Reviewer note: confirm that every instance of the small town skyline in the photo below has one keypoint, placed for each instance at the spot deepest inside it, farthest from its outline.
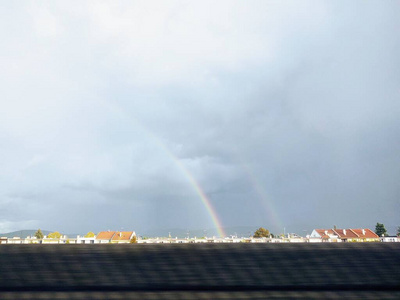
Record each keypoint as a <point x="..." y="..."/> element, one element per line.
<point x="237" y="231"/>
<point x="261" y="235"/>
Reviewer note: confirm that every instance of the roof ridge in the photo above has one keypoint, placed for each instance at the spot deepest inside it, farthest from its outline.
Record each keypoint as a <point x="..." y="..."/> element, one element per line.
<point x="354" y="232"/>
<point x="334" y="230"/>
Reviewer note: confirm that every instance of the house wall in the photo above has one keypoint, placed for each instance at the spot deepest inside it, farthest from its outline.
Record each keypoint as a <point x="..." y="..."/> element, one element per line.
<point x="315" y="234"/>
<point x="390" y="239"/>
<point x="14" y="241"/>
<point x="314" y="240"/>
<point x="102" y="241"/>
<point x="84" y="240"/>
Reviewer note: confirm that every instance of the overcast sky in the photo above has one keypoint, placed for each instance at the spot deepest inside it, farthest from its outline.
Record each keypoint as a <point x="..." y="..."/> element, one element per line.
<point x="286" y="113"/>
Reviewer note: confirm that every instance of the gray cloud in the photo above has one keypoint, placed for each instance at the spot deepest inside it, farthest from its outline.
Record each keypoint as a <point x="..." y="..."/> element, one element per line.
<point x="285" y="113"/>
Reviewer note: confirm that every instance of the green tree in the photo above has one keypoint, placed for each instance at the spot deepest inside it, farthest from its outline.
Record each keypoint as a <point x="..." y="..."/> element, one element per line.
<point x="54" y="235"/>
<point x="398" y="231"/>
<point x="90" y="234"/>
<point x="380" y="229"/>
<point x="261" y="232"/>
<point x="39" y="234"/>
<point x="134" y="240"/>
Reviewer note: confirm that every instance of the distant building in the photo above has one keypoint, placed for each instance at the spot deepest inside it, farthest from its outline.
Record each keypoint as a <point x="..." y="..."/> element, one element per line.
<point x="343" y="235"/>
<point x="62" y="240"/>
<point x="104" y="237"/>
<point x="122" y="237"/>
<point x="390" y="239"/>
<point x="365" y="235"/>
<point x="323" y="235"/>
<point x="85" y="240"/>
<point x="115" y="237"/>
<point x="15" y="240"/>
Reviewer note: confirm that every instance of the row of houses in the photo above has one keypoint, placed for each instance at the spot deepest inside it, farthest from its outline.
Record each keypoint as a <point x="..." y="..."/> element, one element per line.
<point x="195" y="240"/>
<point x="103" y="237"/>
<point x="344" y="235"/>
<point x="125" y="237"/>
<point x="317" y="236"/>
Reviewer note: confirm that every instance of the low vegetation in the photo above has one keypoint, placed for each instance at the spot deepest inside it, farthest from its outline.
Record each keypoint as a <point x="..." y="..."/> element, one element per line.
<point x="90" y="234"/>
<point x="39" y="234"/>
<point x="380" y="229"/>
<point x="54" y="235"/>
<point x="261" y="232"/>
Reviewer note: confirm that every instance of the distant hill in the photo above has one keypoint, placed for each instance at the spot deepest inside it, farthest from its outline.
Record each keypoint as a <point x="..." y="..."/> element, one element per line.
<point x="240" y="231"/>
<point x="31" y="232"/>
<point x="23" y="233"/>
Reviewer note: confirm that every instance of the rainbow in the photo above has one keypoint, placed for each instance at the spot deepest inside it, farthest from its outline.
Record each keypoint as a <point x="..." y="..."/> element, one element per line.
<point x="265" y="199"/>
<point x="207" y="203"/>
<point x="196" y="186"/>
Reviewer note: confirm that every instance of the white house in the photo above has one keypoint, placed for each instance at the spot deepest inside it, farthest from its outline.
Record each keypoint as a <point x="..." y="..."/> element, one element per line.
<point x="85" y="240"/>
<point x="323" y="235"/>
<point x="390" y="239"/>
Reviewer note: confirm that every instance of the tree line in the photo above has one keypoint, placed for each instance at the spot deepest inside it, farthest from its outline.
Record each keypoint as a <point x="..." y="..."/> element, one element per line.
<point x="56" y="235"/>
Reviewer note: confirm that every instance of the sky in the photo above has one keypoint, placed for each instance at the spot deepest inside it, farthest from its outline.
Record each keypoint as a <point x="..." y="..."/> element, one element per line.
<point x="146" y="115"/>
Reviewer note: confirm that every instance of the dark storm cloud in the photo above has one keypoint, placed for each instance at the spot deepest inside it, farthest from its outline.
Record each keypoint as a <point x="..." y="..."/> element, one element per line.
<point x="286" y="114"/>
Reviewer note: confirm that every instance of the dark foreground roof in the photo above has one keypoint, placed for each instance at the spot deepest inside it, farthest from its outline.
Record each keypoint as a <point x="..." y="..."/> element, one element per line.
<point x="207" y="271"/>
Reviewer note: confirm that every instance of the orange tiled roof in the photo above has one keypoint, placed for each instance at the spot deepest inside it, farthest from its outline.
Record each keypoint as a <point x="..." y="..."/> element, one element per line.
<point x="122" y="236"/>
<point x="345" y="233"/>
<point x="324" y="235"/>
<point x="367" y="234"/>
<point x="105" y="235"/>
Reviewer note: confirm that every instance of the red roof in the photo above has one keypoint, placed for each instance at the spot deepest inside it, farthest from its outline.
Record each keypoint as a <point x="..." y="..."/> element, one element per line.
<point x="105" y="235"/>
<point x="345" y="233"/>
<point x="122" y="236"/>
<point x="366" y="233"/>
<point x="325" y="233"/>
<point x="348" y="233"/>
